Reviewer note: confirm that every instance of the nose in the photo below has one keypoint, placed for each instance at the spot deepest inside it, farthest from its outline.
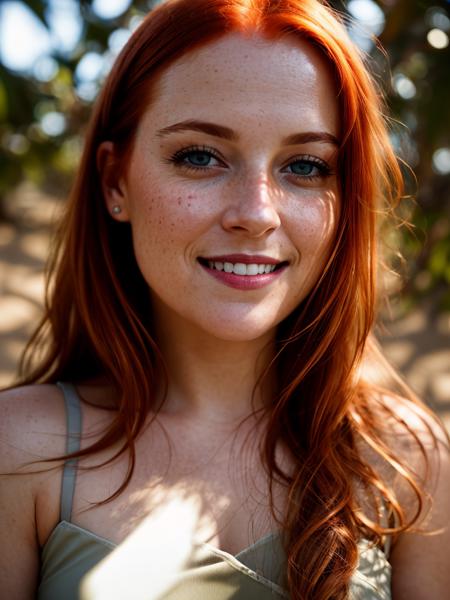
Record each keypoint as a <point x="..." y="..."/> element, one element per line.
<point x="252" y="210"/>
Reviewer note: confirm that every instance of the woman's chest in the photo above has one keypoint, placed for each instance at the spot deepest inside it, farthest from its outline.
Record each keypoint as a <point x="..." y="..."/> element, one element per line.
<point x="220" y="498"/>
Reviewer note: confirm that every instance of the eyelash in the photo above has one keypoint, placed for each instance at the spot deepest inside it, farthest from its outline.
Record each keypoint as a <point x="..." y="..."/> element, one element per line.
<point x="324" y="169"/>
<point x="179" y="158"/>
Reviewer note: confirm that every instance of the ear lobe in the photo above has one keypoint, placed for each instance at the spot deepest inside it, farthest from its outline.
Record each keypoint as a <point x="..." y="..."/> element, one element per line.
<point x="114" y="193"/>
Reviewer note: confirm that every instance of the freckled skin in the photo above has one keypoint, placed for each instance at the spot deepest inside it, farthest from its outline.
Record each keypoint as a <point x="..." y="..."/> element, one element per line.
<point x="264" y="91"/>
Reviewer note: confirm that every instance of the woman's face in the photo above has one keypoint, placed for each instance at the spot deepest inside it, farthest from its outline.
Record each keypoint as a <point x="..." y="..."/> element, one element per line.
<point x="231" y="190"/>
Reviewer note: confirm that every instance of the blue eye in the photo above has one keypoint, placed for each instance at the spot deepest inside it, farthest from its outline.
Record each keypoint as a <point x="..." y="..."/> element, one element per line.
<point x="197" y="158"/>
<point x="303" y="167"/>
<point x="308" y="168"/>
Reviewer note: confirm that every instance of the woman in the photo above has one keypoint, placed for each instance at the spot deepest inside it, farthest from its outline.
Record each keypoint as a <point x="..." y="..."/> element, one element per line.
<point x="209" y="314"/>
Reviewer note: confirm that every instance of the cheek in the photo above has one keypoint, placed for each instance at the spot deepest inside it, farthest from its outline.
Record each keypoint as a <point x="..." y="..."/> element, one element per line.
<point x="315" y="226"/>
<point x="163" y="222"/>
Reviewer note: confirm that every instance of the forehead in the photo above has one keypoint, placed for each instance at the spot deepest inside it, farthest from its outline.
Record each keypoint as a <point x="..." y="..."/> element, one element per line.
<point x="275" y="82"/>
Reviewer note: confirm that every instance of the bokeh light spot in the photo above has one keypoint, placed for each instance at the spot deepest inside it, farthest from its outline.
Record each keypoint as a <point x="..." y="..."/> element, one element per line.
<point x="110" y="9"/>
<point x="135" y="21"/>
<point x="22" y="36"/>
<point x="441" y="161"/>
<point x="45" y="68"/>
<point x="437" y="17"/>
<point x="90" y="67"/>
<point x="87" y="91"/>
<point x="16" y="143"/>
<point x="437" y="39"/>
<point x="368" y="13"/>
<point x="404" y="87"/>
<point x="118" y="39"/>
<point x="66" y="25"/>
<point x="53" y="123"/>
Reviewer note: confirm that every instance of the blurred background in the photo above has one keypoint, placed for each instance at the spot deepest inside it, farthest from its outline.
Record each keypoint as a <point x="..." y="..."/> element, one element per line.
<point x="54" y="55"/>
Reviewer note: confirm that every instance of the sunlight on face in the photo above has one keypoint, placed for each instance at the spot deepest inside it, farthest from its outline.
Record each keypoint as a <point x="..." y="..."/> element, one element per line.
<point x="231" y="190"/>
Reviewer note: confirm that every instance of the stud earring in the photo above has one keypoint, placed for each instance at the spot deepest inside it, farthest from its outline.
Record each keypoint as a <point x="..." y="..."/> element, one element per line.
<point x="116" y="210"/>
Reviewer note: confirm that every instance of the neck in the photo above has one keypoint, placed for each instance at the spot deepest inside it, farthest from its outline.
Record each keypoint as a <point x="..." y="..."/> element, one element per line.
<point x="212" y="379"/>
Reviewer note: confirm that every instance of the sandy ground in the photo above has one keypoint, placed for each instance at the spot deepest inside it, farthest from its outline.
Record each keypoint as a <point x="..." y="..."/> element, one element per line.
<point x="418" y="344"/>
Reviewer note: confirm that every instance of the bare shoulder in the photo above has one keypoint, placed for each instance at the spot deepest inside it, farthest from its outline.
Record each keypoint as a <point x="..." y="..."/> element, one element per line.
<point x="32" y="428"/>
<point x="32" y="425"/>
<point x="420" y="442"/>
<point x="416" y="436"/>
<point x="417" y="416"/>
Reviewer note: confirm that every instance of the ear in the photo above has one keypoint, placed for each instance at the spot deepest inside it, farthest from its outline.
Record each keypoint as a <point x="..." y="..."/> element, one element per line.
<point x="112" y="182"/>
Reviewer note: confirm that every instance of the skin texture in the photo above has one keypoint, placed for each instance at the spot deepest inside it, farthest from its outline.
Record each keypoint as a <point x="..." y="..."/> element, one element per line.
<point x="246" y="200"/>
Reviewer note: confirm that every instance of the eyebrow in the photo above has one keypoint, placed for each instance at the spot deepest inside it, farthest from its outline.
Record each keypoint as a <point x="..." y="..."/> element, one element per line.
<point x="311" y="136"/>
<point x="210" y="128"/>
<point x="226" y="133"/>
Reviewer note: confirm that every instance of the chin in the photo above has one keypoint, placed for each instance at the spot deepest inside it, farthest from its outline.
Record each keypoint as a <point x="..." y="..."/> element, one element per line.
<point x="233" y="329"/>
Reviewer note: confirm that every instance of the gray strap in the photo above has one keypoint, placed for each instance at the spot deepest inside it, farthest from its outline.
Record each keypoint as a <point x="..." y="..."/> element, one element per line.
<point x="386" y="521"/>
<point x="73" y="414"/>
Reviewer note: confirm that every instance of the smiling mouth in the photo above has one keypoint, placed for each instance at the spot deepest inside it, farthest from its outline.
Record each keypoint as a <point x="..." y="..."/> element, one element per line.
<point x="239" y="267"/>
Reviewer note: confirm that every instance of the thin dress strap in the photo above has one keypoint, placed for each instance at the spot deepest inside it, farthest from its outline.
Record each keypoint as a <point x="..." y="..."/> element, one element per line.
<point x="387" y="520"/>
<point x="73" y="415"/>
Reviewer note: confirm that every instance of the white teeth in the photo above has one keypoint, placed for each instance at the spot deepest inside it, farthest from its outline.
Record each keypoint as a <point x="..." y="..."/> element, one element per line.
<point x="252" y="269"/>
<point x="241" y="268"/>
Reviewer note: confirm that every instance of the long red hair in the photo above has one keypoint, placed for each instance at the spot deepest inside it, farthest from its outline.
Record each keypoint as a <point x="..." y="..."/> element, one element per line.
<point x="96" y="321"/>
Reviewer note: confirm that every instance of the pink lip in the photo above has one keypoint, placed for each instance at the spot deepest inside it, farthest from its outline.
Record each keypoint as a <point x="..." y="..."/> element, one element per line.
<point x="246" y="259"/>
<point x="244" y="282"/>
